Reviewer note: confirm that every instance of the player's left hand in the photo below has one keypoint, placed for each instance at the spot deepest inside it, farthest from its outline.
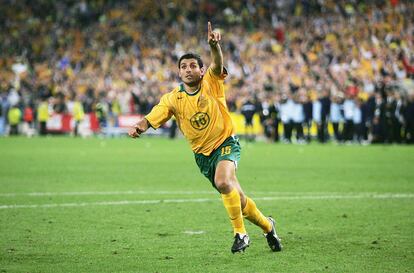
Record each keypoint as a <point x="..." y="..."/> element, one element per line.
<point x="134" y="132"/>
<point x="213" y="36"/>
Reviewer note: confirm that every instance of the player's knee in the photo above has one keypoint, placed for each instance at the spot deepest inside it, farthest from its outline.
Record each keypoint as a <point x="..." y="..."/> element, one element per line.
<point x="223" y="184"/>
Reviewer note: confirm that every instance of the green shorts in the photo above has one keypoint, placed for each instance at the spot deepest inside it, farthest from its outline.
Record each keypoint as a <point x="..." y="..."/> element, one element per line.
<point x="228" y="150"/>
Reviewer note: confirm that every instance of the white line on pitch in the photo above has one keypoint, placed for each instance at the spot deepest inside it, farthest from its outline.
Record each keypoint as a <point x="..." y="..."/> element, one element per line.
<point x="163" y="192"/>
<point x="203" y="200"/>
<point x="81" y="193"/>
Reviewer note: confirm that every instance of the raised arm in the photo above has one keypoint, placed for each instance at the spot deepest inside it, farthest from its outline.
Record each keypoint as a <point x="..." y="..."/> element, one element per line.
<point x="216" y="55"/>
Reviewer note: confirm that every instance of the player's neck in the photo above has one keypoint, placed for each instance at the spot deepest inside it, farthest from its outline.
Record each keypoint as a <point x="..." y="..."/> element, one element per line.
<point x="192" y="89"/>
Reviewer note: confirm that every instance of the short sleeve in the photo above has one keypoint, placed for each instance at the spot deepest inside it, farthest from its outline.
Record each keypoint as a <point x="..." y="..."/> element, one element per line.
<point x="216" y="82"/>
<point x="160" y="113"/>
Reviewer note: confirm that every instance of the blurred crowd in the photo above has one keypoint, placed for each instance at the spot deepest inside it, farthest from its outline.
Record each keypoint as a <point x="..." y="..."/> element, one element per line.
<point x="295" y="63"/>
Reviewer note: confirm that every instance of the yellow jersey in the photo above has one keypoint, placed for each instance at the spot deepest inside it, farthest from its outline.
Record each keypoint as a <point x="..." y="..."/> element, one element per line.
<point x="78" y="113"/>
<point x="202" y="117"/>
<point x="14" y="116"/>
<point x="43" y="112"/>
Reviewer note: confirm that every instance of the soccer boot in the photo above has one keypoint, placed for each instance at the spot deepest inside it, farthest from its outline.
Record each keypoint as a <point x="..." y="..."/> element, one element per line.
<point x="241" y="242"/>
<point x="273" y="240"/>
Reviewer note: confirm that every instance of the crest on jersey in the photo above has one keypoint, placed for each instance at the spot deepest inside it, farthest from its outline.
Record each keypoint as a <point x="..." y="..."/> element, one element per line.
<point x="200" y="120"/>
<point x="202" y="101"/>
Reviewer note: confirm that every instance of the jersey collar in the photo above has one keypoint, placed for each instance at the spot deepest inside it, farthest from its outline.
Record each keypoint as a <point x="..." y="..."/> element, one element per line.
<point x="182" y="89"/>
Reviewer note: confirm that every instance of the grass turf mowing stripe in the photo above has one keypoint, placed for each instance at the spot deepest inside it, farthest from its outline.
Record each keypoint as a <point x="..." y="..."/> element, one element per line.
<point x="202" y="200"/>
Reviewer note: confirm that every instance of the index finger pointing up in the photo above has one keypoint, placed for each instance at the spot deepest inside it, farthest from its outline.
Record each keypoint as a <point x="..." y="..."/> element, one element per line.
<point x="209" y="28"/>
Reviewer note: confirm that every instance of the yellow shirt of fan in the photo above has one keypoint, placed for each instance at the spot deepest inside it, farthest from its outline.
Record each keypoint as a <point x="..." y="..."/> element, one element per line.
<point x="202" y="117"/>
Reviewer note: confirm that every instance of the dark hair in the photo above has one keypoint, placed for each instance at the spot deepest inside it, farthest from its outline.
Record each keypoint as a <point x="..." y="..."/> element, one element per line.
<point x="191" y="56"/>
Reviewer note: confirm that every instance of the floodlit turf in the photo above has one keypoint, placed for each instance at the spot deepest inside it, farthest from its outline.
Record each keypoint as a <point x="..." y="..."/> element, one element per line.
<point x="123" y="205"/>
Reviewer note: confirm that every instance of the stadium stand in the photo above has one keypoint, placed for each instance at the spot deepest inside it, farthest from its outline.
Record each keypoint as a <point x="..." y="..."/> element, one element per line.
<point x="340" y="70"/>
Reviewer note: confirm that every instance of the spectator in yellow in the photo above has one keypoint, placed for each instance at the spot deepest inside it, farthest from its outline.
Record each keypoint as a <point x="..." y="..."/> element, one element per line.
<point x="14" y="116"/>
<point x="43" y="116"/>
<point x="115" y="111"/>
<point x="78" y="115"/>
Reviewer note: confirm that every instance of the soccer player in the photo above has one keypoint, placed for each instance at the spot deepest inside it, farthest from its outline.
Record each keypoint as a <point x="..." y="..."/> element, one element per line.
<point x="199" y="106"/>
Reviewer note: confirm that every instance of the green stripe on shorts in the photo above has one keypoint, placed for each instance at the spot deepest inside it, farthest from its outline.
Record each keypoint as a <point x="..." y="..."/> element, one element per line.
<point x="228" y="150"/>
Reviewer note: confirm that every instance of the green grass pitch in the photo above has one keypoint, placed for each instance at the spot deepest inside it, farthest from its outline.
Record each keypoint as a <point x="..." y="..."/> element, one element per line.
<point x="124" y="205"/>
